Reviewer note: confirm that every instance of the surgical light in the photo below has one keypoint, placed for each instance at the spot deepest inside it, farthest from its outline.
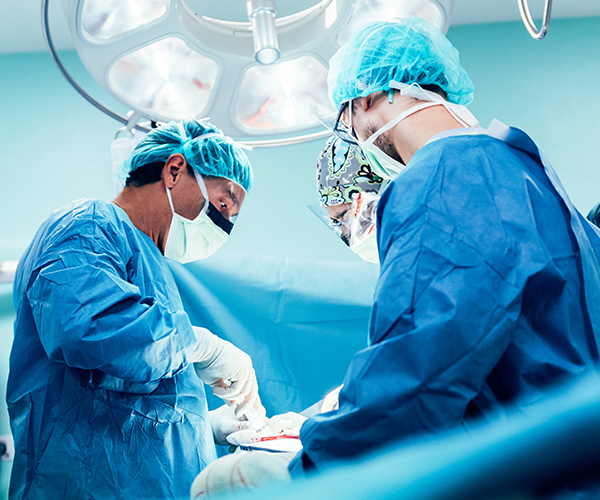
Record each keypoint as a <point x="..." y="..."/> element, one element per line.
<point x="258" y="69"/>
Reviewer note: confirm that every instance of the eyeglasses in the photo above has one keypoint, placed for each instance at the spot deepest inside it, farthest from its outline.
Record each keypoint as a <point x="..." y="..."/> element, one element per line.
<point x="339" y="222"/>
<point x="342" y="127"/>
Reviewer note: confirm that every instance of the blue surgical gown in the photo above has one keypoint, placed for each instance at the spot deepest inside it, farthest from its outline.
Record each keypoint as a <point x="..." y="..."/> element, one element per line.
<point x="103" y="401"/>
<point x="480" y="303"/>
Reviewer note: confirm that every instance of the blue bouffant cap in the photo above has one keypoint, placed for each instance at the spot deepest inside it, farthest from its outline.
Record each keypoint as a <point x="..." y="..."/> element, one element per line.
<point x="407" y="50"/>
<point x="204" y="146"/>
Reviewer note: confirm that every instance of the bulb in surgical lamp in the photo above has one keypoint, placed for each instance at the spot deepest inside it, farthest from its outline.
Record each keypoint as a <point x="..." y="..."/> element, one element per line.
<point x="167" y="80"/>
<point x="105" y="19"/>
<point x="283" y="96"/>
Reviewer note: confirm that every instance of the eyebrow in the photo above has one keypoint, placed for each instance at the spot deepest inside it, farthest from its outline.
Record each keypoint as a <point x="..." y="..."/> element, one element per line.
<point x="232" y="196"/>
<point x="235" y="201"/>
<point x="340" y="216"/>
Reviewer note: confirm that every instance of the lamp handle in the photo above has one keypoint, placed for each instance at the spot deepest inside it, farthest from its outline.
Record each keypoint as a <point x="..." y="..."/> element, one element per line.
<point x="528" y="21"/>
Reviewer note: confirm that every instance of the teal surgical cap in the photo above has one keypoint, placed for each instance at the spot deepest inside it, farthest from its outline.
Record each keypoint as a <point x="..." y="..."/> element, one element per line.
<point x="405" y="50"/>
<point x="204" y="146"/>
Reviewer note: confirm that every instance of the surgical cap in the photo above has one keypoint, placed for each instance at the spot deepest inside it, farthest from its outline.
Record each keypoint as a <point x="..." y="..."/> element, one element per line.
<point x="342" y="171"/>
<point x="405" y="50"/>
<point x="215" y="154"/>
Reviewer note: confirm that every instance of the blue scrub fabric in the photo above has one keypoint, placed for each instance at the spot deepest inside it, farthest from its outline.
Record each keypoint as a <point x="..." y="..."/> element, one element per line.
<point x="481" y="300"/>
<point x="102" y="399"/>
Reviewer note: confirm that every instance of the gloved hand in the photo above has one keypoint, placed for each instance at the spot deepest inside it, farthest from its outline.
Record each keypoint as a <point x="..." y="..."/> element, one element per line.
<point x="286" y="422"/>
<point x="225" y="368"/>
<point x="224" y="422"/>
<point x="240" y="473"/>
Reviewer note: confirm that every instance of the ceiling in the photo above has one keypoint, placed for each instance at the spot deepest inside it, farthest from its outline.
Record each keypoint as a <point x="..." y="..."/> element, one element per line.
<point x="21" y="27"/>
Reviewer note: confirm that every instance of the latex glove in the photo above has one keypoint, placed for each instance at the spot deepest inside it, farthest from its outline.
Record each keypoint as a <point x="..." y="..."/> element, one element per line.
<point x="331" y="401"/>
<point x="240" y="473"/>
<point x="223" y="422"/>
<point x="286" y="422"/>
<point x="226" y="369"/>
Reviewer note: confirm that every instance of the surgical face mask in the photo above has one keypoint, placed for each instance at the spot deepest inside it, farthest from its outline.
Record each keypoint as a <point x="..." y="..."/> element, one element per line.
<point x="367" y="248"/>
<point x="384" y="165"/>
<point x="190" y="240"/>
<point x="362" y="226"/>
<point x="355" y="225"/>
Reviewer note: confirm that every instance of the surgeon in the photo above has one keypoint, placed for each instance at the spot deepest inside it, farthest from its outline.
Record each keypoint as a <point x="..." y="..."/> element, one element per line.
<point x="105" y="391"/>
<point x="489" y="287"/>
<point x="348" y="195"/>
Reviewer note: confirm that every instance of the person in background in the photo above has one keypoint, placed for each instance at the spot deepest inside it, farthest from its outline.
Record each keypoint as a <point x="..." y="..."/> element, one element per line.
<point x="348" y="191"/>
<point x="105" y="390"/>
<point x="594" y="215"/>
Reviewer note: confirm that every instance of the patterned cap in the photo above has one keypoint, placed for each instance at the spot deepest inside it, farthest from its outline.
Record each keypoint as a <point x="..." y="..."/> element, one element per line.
<point x="342" y="170"/>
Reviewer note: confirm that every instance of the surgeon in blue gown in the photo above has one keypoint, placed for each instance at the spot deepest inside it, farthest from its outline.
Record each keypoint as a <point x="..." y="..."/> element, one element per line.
<point x="105" y="390"/>
<point x="489" y="288"/>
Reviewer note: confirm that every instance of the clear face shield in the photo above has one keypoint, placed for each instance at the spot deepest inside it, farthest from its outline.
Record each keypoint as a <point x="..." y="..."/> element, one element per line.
<point x="354" y="223"/>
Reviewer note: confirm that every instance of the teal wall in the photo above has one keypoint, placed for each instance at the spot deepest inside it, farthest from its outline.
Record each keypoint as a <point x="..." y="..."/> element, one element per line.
<point x="55" y="146"/>
<point x="56" y="149"/>
<point x="547" y="88"/>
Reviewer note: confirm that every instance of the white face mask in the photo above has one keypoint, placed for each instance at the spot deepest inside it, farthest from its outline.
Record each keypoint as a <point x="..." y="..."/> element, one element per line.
<point x="384" y="165"/>
<point x="362" y="230"/>
<point x="190" y="240"/>
<point x="367" y="248"/>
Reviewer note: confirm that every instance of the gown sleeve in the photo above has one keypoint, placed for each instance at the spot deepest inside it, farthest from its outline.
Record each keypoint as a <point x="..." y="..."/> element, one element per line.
<point x="90" y="316"/>
<point x="444" y="311"/>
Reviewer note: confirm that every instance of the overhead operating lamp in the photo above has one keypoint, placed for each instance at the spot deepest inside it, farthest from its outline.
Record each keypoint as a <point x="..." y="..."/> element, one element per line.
<point x="258" y="69"/>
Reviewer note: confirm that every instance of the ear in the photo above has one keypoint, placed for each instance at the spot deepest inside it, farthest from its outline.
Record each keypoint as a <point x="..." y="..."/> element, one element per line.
<point x="373" y="101"/>
<point x="364" y="103"/>
<point x="174" y="167"/>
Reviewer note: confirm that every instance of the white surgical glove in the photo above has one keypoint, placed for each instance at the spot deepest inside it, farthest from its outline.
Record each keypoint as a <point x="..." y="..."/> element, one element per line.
<point x="286" y="422"/>
<point x="239" y="473"/>
<point x="223" y="422"/>
<point x="226" y="369"/>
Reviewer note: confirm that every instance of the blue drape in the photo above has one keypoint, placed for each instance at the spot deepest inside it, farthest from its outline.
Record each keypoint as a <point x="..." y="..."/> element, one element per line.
<point x="300" y="320"/>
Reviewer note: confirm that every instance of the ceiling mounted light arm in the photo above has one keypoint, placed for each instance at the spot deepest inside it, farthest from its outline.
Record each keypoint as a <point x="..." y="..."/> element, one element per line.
<point x="528" y="21"/>
<point x="69" y="78"/>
